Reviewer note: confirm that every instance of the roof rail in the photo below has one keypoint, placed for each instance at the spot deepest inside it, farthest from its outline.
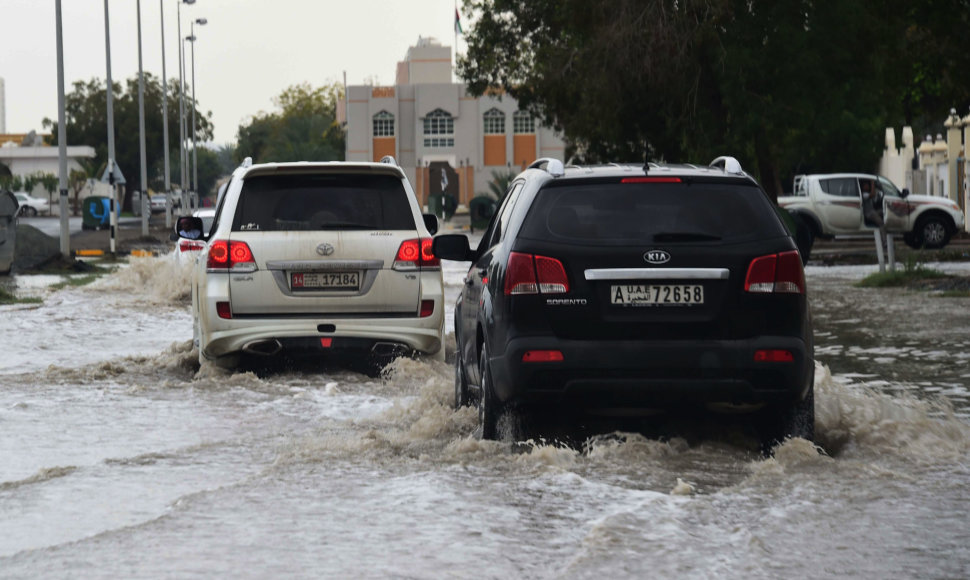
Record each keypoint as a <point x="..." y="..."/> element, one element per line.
<point x="728" y="165"/>
<point x="388" y="159"/>
<point x="552" y="166"/>
<point x="247" y="162"/>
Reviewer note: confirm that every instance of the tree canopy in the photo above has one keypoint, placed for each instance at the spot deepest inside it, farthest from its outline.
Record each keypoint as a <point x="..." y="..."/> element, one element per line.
<point x="86" y="112"/>
<point x="786" y="87"/>
<point x="303" y="129"/>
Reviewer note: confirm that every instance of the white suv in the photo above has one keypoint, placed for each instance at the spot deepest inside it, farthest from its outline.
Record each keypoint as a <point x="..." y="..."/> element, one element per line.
<point x="328" y="260"/>
<point x="831" y="205"/>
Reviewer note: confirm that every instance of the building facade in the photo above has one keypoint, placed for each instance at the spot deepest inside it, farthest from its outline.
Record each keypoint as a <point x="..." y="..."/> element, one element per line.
<point x="446" y="140"/>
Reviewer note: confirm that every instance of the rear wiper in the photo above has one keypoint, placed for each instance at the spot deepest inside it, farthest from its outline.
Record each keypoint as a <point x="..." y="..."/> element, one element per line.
<point x="684" y="237"/>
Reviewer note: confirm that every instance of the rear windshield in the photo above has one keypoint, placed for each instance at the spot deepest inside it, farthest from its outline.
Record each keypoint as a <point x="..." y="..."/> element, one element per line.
<point x="278" y="203"/>
<point x="651" y="212"/>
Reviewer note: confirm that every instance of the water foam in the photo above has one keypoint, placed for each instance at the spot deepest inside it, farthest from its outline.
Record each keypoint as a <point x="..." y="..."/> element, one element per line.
<point x="150" y="280"/>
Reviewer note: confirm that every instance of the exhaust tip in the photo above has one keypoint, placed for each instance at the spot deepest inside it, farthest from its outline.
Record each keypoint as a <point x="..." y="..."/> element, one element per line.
<point x="266" y="347"/>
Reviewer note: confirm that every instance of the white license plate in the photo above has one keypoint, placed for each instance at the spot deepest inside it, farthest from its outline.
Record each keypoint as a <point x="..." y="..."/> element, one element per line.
<point x="657" y="294"/>
<point x="325" y="280"/>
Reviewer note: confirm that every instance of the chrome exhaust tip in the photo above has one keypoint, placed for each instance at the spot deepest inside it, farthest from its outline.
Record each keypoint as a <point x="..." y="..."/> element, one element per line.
<point x="265" y="347"/>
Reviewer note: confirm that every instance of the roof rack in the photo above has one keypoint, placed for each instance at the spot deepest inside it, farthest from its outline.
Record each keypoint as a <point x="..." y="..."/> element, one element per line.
<point x="247" y="162"/>
<point x="728" y="165"/>
<point x="389" y="160"/>
<point x="552" y="166"/>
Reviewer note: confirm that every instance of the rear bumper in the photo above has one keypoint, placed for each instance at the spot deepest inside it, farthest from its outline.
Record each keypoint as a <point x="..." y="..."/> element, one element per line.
<point x="652" y="374"/>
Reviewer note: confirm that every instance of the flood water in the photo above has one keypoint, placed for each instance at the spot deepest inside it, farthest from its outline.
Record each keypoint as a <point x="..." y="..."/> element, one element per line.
<point x="121" y="458"/>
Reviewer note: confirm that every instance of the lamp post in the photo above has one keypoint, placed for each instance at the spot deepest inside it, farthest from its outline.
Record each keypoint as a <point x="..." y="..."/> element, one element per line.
<point x="111" y="132"/>
<point x="62" y="138"/>
<point x="143" y="201"/>
<point x="195" y="154"/>
<point x="168" y="181"/>
<point x="182" y="149"/>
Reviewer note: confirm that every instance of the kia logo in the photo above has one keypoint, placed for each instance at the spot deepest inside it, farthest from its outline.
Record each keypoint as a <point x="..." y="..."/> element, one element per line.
<point x="656" y="256"/>
<point x="325" y="249"/>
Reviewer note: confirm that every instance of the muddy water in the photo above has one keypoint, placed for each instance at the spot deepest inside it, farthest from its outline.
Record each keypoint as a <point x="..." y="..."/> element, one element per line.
<point x="120" y="457"/>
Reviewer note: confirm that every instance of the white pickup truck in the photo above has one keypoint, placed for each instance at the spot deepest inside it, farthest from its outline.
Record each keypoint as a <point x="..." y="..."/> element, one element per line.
<point x="830" y="205"/>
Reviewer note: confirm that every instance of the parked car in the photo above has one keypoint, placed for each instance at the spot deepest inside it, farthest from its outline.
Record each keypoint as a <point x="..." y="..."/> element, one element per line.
<point x="156" y="203"/>
<point x="831" y="205"/>
<point x="627" y="290"/>
<point x="31" y="206"/>
<point x="328" y="260"/>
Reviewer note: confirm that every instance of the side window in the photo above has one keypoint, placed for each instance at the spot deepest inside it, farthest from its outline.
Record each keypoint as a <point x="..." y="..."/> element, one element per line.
<point x="502" y="221"/>
<point x="842" y="187"/>
<point x="887" y="187"/>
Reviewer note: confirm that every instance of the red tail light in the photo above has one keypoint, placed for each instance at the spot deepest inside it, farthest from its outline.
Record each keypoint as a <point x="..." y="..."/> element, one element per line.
<point x="528" y="274"/>
<point x="190" y="245"/>
<point x="223" y="310"/>
<point x="427" y="308"/>
<point x="224" y="255"/>
<point x="416" y="254"/>
<point x="776" y="274"/>
<point x="773" y="355"/>
<point x="542" y="356"/>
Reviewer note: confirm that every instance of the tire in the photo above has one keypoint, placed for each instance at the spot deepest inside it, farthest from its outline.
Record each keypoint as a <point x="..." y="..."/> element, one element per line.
<point x="462" y="398"/>
<point x="30" y="211"/>
<point x="933" y="232"/>
<point x="488" y="406"/>
<point x="795" y="420"/>
<point x="912" y="240"/>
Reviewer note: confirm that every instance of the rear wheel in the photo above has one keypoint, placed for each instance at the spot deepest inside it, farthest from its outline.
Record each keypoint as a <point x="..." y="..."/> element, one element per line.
<point x="488" y="406"/>
<point x="795" y="420"/>
<point x="462" y="398"/>
<point x="30" y="211"/>
<point x="933" y="232"/>
<point x="912" y="240"/>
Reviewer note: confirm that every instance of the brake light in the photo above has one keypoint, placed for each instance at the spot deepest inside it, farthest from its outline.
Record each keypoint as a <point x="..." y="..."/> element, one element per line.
<point x="416" y="254"/>
<point x="225" y="255"/>
<point x="773" y="355"/>
<point x="776" y="274"/>
<point x="650" y="180"/>
<point x="528" y="274"/>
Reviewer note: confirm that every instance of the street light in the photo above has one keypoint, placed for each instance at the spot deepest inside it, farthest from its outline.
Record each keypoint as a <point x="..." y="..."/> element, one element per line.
<point x="110" y="172"/>
<point x="168" y="181"/>
<point x="195" y="153"/>
<point x="182" y="149"/>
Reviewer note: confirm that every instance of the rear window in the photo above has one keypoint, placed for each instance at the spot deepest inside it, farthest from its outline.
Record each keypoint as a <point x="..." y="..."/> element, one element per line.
<point x="302" y="202"/>
<point x="649" y="213"/>
<point x="842" y="186"/>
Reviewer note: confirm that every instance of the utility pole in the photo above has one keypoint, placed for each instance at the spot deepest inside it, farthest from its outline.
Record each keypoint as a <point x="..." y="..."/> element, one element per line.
<point x="168" y="180"/>
<point x="111" y="133"/>
<point x="145" y="206"/>
<point x="62" y="141"/>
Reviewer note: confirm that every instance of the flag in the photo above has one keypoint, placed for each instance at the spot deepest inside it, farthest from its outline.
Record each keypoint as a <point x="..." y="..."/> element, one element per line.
<point x="458" y="29"/>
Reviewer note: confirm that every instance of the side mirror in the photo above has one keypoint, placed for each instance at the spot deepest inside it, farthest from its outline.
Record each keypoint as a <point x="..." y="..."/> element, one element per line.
<point x="451" y="247"/>
<point x="904" y="193"/>
<point x="189" y="227"/>
<point x="431" y="222"/>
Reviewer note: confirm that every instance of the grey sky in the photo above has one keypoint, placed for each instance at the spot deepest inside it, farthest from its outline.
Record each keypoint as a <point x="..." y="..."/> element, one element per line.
<point x="247" y="54"/>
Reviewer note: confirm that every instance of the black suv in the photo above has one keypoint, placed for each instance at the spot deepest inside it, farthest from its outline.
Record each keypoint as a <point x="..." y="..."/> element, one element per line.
<point x="621" y="289"/>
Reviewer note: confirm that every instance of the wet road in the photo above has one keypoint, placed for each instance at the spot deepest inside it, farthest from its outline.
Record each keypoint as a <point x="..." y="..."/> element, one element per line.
<point x="121" y="458"/>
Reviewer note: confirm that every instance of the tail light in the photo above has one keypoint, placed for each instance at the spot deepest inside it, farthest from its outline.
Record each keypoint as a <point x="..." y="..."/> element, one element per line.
<point x="533" y="356"/>
<point x="190" y="245"/>
<point x="773" y="355"/>
<point x="223" y="310"/>
<point x="235" y="256"/>
<point x="427" y="308"/>
<point x="416" y="254"/>
<point x="776" y="274"/>
<point x="528" y="274"/>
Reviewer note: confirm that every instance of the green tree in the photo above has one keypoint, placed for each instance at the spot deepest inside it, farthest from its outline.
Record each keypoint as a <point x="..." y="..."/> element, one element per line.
<point x="784" y="86"/>
<point x="86" y="109"/>
<point x="210" y="170"/>
<point x="303" y="129"/>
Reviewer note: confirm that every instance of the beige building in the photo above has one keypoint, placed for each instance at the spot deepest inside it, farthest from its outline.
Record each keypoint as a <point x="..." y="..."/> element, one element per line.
<point x="443" y="138"/>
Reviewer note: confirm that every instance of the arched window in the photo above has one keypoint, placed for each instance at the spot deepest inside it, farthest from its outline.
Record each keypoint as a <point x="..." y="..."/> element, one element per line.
<point x="383" y="124"/>
<point x="494" y="122"/>
<point x="523" y="122"/>
<point x="439" y="129"/>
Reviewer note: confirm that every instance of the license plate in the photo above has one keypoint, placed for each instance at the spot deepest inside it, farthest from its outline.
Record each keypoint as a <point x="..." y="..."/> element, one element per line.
<point x="325" y="280"/>
<point x="657" y="294"/>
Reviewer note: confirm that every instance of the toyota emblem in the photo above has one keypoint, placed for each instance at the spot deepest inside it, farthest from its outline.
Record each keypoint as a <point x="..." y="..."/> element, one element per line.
<point x="325" y="249"/>
<point x="656" y="256"/>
